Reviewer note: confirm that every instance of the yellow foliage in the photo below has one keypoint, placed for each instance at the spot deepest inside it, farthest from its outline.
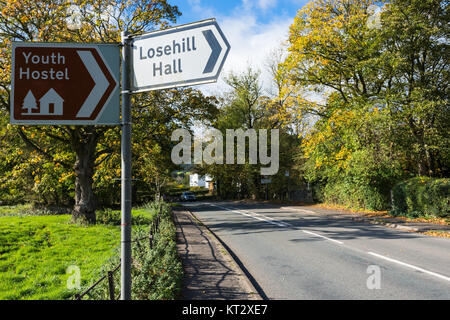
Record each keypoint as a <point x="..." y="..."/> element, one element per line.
<point x="322" y="33"/>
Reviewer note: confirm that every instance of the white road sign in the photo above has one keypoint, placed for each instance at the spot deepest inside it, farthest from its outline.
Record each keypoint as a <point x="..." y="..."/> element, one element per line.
<point x="180" y="56"/>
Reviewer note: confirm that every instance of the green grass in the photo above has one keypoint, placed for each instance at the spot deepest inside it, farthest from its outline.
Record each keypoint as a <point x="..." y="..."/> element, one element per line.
<point x="35" y="252"/>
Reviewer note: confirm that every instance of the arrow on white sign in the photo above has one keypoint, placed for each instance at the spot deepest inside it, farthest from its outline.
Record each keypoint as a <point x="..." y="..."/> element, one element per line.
<point x="215" y="48"/>
<point x="185" y="55"/>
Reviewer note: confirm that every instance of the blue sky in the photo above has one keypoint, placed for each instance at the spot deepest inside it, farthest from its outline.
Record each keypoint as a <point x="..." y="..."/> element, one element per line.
<point x="254" y="29"/>
<point x="265" y="10"/>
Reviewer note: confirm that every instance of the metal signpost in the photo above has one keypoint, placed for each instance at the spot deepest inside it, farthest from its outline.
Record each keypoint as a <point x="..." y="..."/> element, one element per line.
<point x="180" y="56"/>
<point x="125" y="289"/>
<point x="76" y="84"/>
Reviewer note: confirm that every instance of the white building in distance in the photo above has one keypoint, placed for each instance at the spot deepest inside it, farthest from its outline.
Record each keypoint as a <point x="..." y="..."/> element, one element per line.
<point x="196" y="180"/>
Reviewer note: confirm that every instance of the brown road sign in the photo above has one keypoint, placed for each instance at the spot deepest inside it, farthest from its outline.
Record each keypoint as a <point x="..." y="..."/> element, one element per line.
<point x="65" y="84"/>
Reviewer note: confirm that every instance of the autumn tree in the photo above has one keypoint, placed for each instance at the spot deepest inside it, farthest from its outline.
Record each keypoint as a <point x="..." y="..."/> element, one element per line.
<point x="51" y="21"/>
<point x="160" y="113"/>
<point x="246" y="106"/>
<point x="415" y="37"/>
<point x="374" y="90"/>
<point x="154" y="115"/>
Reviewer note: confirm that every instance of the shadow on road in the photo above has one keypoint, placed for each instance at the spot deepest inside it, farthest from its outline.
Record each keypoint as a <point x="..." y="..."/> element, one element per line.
<point x="327" y="222"/>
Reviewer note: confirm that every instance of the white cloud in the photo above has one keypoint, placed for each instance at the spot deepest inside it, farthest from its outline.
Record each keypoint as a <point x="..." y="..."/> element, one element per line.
<point x="252" y="40"/>
<point x="258" y="4"/>
<point x="266" y="4"/>
<point x="200" y="9"/>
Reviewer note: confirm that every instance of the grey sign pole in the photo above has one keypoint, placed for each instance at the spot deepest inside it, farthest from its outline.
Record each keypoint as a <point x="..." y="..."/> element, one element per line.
<point x="209" y="40"/>
<point x="125" y="293"/>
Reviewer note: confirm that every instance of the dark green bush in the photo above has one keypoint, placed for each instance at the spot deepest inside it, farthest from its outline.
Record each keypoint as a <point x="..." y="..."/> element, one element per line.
<point x="108" y="216"/>
<point x="358" y="196"/>
<point x="364" y="182"/>
<point x="422" y="196"/>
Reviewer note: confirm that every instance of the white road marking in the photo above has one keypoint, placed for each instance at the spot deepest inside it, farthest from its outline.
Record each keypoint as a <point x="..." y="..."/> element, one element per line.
<point x="272" y="221"/>
<point x="410" y="266"/>
<point x="318" y="235"/>
<point x="261" y="217"/>
<point x="254" y="216"/>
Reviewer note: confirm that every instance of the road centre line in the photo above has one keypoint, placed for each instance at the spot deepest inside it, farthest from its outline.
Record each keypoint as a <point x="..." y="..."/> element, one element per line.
<point x="272" y="221"/>
<point x="254" y="216"/>
<point x="410" y="266"/>
<point x="305" y="231"/>
<point x="318" y="235"/>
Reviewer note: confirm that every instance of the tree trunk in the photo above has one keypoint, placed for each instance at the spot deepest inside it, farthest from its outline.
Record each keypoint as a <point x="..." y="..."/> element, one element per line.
<point x="85" y="202"/>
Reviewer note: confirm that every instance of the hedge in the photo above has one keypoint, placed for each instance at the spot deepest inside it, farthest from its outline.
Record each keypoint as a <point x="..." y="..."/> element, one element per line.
<point x="422" y="196"/>
<point x="356" y="196"/>
<point x="156" y="271"/>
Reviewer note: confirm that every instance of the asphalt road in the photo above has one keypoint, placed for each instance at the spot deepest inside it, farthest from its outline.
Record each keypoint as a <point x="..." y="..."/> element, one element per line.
<point x="301" y="254"/>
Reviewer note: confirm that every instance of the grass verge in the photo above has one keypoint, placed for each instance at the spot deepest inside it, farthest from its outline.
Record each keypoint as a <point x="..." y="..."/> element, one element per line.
<point x="35" y="252"/>
<point x="437" y="233"/>
<point x="386" y="214"/>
